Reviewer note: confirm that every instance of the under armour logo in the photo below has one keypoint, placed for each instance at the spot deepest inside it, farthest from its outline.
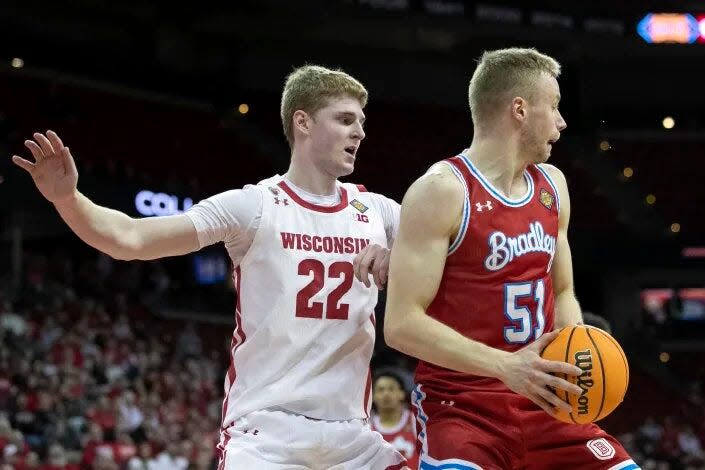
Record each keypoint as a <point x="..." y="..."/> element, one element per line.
<point x="284" y="201"/>
<point x="487" y="206"/>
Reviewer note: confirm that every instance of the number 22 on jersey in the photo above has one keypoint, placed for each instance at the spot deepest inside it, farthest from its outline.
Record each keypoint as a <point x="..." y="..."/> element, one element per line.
<point x="333" y="310"/>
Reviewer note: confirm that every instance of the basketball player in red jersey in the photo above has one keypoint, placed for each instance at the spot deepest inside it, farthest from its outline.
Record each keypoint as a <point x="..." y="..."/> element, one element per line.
<point x="392" y="418"/>
<point x="481" y="278"/>
<point x="297" y="392"/>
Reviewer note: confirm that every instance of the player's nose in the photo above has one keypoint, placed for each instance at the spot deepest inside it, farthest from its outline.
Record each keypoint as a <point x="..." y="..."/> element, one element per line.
<point x="561" y="124"/>
<point x="358" y="132"/>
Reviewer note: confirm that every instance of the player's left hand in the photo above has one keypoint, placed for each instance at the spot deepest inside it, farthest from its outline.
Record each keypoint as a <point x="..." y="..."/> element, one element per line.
<point x="374" y="260"/>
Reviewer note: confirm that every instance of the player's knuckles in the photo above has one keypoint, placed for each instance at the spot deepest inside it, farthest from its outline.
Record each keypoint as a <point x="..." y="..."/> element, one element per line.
<point x="535" y="375"/>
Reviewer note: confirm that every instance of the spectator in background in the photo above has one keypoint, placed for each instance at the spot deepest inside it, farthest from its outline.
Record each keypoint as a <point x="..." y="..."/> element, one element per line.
<point x="130" y="415"/>
<point x="188" y="343"/>
<point x="391" y="416"/>
<point x="143" y="459"/>
<point x="689" y="446"/>
<point x="170" y="458"/>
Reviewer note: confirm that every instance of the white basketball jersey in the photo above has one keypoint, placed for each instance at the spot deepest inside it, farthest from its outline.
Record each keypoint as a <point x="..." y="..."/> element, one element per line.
<point x="304" y="326"/>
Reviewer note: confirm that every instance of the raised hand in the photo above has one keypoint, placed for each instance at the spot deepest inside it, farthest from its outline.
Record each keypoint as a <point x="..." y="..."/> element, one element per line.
<point x="54" y="170"/>
<point x="530" y="375"/>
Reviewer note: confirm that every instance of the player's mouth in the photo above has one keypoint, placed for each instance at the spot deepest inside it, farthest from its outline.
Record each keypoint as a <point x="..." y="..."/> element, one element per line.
<point x="351" y="150"/>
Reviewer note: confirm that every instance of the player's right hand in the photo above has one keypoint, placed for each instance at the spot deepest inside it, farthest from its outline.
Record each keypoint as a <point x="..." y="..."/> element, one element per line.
<point x="530" y="375"/>
<point x="372" y="260"/>
<point x="53" y="171"/>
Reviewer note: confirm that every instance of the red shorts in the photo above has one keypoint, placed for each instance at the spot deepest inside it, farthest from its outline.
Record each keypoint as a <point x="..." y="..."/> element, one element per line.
<point x="503" y="430"/>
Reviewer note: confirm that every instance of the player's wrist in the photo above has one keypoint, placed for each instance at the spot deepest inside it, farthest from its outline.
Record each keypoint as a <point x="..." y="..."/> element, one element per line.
<point x="67" y="202"/>
<point x="499" y="364"/>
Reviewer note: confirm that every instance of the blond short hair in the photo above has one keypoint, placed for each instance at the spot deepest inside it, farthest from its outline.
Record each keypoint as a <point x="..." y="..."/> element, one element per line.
<point x="308" y="88"/>
<point x="504" y="73"/>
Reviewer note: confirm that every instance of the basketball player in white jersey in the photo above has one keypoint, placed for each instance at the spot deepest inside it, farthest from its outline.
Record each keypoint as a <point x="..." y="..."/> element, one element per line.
<point x="297" y="393"/>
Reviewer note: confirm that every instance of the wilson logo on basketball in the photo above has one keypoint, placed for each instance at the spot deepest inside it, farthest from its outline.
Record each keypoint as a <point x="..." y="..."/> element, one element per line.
<point x="603" y="377"/>
<point x="583" y="359"/>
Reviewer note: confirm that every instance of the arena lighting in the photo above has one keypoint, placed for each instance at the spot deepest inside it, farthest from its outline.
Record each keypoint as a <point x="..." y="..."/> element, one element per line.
<point x="149" y="203"/>
<point x="675" y="227"/>
<point x="17" y="63"/>
<point x="679" y="28"/>
<point x="628" y="172"/>
<point x="244" y="108"/>
<point x="693" y="252"/>
<point x="650" y="199"/>
<point x="701" y="28"/>
<point x="668" y="122"/>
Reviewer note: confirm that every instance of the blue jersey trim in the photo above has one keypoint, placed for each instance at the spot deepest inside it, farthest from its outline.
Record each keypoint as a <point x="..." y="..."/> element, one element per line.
<point x="494" y="192"/>
<point x="466" y="212"/>
<point x="553" y="186"/>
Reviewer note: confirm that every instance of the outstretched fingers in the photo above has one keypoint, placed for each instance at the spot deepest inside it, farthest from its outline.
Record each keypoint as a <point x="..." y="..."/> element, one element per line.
<point x="36" y="150"/>
<point x="22" y="163"/>
<point x="56" y="142"/>
<point x="44" y="144"/>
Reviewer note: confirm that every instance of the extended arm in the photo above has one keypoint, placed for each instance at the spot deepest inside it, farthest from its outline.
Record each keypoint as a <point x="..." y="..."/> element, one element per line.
<point x="110" y="231"/>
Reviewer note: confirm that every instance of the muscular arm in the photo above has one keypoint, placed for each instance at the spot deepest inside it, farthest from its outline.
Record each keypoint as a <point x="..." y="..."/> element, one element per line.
<point x="430" y="217"/>
<point x="568" y="310"/>
<point x="126" y="238"/>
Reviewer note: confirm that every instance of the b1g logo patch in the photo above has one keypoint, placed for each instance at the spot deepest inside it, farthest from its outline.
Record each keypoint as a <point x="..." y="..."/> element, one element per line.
<point x="601" y="449"/>
<point x="546" y="199"/>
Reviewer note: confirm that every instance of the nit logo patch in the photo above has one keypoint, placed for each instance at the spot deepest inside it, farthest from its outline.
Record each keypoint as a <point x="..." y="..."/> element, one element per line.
<point x="546" y="199"/>
<point x="359" y="206"/>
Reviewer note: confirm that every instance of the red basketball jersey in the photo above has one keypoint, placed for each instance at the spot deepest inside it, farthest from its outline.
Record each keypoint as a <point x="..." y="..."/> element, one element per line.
<point x="496" y="286"/>
<point x="402" y="436"/>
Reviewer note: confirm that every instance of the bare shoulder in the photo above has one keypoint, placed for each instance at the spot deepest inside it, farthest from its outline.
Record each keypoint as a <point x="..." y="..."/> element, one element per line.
<point x="555" y="173"/>
<point x="439" y="182"/>
<point x="435" y="199"/>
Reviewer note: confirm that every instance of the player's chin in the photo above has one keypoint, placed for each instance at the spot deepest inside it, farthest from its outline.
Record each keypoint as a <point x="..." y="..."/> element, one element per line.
<point x="545" y="156"/>
<point x="345" y="169"/>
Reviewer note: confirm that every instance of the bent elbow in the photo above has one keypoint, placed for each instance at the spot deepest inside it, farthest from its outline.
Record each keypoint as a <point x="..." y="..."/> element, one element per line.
<point x="123" y="254"/>
<point x="393" y="334"/>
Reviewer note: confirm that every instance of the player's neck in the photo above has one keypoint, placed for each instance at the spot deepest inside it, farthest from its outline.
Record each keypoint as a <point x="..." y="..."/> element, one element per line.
<point x="391" y="417"/>
<point x="311" y="179"/>
<point x="500" y="161"/>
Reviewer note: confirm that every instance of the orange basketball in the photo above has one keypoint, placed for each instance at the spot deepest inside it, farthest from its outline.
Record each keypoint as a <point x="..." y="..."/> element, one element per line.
<point x="605" y="374"/>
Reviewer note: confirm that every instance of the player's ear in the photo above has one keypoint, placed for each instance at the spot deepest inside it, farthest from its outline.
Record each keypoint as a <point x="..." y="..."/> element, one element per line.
<point x="301" y="121"/>
<point x="519" y="108"/>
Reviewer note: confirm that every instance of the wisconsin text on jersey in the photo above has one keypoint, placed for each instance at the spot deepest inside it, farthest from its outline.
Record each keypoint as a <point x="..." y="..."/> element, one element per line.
<point x="325" y="244"/>
<point x="504" y="249"/>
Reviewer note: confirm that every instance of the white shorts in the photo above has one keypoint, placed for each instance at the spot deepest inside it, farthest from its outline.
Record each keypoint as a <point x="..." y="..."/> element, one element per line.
<point x="276" y="440"/>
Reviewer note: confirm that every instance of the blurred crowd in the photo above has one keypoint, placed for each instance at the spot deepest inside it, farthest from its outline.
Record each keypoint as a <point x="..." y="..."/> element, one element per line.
<point x="89" y="378"/>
